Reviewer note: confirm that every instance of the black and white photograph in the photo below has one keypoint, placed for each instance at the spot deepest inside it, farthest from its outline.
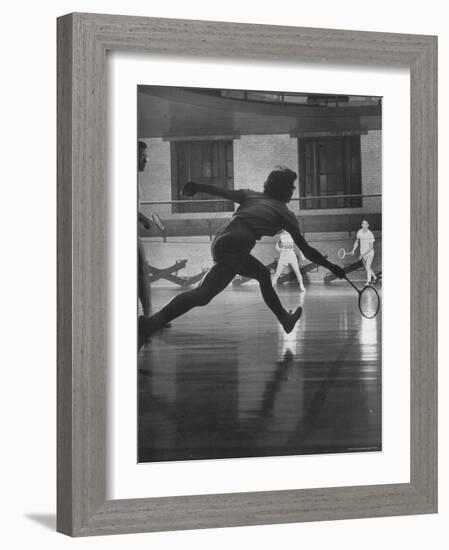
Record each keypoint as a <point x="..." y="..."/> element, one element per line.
<point x="259" y="246"/>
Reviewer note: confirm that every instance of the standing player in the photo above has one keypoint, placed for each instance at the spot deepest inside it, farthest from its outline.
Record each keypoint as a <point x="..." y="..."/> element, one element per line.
<point x="259" y="214"/>
<point x="143" y="222"/>
<point x="287" y="257"/>
<point x="365" y="239"/>
<point x="144" y="283"/>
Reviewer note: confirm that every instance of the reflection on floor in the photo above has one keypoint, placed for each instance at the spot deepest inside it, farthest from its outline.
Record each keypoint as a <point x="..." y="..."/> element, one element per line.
<point x="226" y="381"/>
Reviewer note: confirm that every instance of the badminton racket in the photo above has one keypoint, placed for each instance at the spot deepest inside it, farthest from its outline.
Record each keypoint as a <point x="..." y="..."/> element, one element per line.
<point x="342" y="253"/>
<point x="157" y="222"/>
<point x="369" y="300"/>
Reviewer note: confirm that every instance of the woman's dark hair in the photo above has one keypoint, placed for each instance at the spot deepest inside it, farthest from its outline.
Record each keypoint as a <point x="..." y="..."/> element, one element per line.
<point x="142" y="145"/>
<point x="279" y="183"/>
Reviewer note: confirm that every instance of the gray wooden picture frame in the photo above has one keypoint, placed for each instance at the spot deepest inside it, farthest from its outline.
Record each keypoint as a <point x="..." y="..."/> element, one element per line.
<point x="83" y="40"/>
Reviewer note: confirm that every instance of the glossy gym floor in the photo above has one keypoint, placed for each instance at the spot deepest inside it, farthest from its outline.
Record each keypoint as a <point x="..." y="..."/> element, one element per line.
<point x="225" y="381"/>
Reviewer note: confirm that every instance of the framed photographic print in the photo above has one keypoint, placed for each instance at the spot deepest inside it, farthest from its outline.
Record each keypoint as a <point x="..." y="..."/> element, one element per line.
<point x="237" y="378"/>
<point x="245" y="215"/>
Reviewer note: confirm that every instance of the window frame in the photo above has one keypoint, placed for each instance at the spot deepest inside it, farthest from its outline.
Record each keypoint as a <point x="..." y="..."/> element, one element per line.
<point x="353" y="186"/>
<point x="208" y="207"/>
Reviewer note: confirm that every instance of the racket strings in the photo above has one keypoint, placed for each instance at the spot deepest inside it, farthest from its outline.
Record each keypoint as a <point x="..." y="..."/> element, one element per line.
<point x="369" y="302"/>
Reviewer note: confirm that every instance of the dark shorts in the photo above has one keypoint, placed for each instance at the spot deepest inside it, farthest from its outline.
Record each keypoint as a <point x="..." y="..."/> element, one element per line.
<point x="233" y="244"/>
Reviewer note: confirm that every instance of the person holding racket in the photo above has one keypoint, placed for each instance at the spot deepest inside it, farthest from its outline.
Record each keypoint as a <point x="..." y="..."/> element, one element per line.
<point x="365" y="240"/>
<point x="259" y="214"/>
<point x="143" y="222"/>
<point x="287" y="257"/>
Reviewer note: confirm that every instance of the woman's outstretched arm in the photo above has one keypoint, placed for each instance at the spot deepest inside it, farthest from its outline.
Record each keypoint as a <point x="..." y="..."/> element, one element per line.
<point x="191" y="187"/>
<point x="313" y="254"/>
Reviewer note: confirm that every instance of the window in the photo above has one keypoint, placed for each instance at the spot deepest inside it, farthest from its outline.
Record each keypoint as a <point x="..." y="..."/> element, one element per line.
<point x="330" y="166"/>
<point x="209" y="162"/>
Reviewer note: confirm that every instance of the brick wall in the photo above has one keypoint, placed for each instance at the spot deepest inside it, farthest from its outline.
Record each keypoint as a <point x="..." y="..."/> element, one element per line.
<point x="371" y="157"/>
<point x="256" y="156"/>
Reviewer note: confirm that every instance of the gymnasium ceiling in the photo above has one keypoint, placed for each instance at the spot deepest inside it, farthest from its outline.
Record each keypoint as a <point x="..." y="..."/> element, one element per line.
<point x="170" y="112"/>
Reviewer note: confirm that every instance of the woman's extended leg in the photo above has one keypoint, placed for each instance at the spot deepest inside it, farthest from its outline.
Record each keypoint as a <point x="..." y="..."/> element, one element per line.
<point x="216" y="280"/>
<point x="251" y="267"/>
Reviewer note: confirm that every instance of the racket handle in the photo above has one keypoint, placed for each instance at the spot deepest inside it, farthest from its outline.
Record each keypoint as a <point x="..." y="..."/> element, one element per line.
<point x="351" y="283"/>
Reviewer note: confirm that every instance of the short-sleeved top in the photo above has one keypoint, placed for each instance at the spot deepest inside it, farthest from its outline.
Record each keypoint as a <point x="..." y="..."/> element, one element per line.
<point x="263" y="214"/>
<point x="366" y="239"/>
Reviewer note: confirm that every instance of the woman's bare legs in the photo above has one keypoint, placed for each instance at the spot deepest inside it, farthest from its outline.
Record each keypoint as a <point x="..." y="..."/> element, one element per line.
<point x="216" y="280"/>
<point x="251" y="267"/>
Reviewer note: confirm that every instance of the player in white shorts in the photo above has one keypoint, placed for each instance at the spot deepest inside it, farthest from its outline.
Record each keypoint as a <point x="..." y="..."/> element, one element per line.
<point x="287" y="257"/>
<point x="365" y="239"/>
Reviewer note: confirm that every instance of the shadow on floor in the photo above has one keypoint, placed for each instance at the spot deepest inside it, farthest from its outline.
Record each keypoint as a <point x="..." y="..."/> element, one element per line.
<point x="46" y="520"/>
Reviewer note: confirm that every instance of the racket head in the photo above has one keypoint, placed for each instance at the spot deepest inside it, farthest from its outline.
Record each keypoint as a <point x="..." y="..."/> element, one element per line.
<point x="157" y="222"/>
<point x="341" y="253"/>
<point x="369" y="302"/>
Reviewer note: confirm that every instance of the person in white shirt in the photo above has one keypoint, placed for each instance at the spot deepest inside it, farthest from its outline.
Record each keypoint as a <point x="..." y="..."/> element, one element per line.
<point x="287" y="257"/>
<point x="365" y="240"/>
